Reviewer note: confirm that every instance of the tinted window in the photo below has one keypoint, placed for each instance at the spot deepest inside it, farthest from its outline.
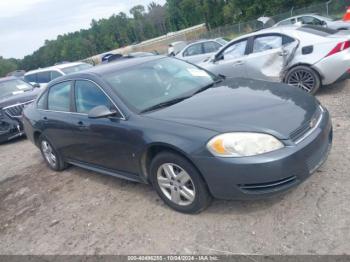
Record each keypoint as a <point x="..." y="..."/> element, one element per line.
<point x="309" y="20"/>
<point x="55" y="74"/>
<point x="30" y="78"/>
<point x="43" y="77"/>
<point x="193" y="50"/>
<point x="59" y="97"/>
<point x="286" y="22"/>
<point x="41" y="104"/>
<point x="236" y="50"/>
<point x="88" y="96"/>
<point x="211" y="47"/>
<point x="264" y="43"/>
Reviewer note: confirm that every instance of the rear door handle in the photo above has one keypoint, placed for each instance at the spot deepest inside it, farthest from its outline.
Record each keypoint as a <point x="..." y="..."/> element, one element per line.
<point x="45" y="118"/>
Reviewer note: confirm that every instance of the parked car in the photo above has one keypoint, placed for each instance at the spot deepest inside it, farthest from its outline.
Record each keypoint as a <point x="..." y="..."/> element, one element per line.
<point x="43" y="76"/>
<point x="176" y="47"/>
<point x="316" y="20"/>
<point x="306" y="57"/>
<point x="201" y="50"/>
<point x="189" y="133"/>
<point x="15" y="94"/>
<point x="17" y="73"/>
<point x="119" y="57"/>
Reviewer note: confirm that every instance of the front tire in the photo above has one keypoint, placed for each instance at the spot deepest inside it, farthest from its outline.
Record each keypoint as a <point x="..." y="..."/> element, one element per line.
<point x="305" y="78"/>
<point x="51" y="156"/>
<point x="179" y="184"/>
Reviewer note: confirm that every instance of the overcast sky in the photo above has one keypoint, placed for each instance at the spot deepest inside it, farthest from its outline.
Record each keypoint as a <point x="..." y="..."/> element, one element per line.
<point x="26" y="24"/>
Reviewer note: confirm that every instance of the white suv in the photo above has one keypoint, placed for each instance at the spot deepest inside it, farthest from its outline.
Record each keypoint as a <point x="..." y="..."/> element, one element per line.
<point x="43" y="76"/>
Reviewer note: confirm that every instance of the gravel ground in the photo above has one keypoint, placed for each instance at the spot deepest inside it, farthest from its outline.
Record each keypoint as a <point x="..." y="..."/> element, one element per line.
<point x="82" y="212"/>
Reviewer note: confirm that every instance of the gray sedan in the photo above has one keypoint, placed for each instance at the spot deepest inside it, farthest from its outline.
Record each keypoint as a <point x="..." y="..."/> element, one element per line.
<point x="317" y="20"/>
<point x="306" y="57"/>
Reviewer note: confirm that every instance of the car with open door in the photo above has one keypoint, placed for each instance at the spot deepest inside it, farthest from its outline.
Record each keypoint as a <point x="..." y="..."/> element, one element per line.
<point x="189" y="133"/>
<point x="306" y="57"/>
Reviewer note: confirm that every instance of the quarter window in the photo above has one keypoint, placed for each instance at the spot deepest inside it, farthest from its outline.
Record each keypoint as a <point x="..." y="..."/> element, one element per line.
<point x="236" y="50"/>
<point x="59" y="97"/>
<point x="264" y="43"/>
<point x="88" y="96"/>
<point x="193" y="50"/>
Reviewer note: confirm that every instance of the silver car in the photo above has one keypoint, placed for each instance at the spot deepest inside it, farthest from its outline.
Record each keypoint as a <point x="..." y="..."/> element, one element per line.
<point x="314" y="19"/>
<point x="201" y="50"/>
<point x="306" y="57"/>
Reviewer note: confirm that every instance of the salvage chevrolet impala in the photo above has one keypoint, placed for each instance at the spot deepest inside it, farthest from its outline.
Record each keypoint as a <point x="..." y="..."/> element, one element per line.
<point x="189" y="133"/>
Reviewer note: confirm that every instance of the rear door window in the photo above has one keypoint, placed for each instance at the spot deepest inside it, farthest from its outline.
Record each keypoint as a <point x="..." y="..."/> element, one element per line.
<point x="59" y="97"/>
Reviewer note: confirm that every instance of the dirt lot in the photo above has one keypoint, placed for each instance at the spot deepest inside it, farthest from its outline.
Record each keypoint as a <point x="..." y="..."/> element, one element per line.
<point x="81" y="212"/>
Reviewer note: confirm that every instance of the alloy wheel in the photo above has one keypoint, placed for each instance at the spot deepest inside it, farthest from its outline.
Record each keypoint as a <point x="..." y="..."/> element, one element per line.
<point x="48" y="153"/>
<point x="176" y="184"/>
<point x="302" y="79"/>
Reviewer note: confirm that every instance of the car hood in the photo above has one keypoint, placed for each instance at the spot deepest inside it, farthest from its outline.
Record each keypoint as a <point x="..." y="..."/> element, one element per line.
<point x="339" y="23"/>
<point x="19" y="98"/>
<point x="244" y="105"/>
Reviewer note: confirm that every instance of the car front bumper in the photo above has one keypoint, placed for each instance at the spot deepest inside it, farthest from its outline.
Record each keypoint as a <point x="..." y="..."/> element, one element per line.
<point x="10" y="129"/>
<point x="268" y="174"/>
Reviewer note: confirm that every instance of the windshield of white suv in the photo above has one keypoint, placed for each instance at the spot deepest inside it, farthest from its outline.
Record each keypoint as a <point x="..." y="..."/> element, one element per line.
<point x="157" y="82"/>
<point x="13" y="87"/>
<point x="76" y="68"/>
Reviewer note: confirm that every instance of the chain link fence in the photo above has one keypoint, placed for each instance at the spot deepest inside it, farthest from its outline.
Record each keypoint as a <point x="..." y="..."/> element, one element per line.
<point x="334" y="8"/>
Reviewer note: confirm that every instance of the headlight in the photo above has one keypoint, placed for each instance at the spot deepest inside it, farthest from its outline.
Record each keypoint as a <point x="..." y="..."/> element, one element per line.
<point x="243" y="144"/>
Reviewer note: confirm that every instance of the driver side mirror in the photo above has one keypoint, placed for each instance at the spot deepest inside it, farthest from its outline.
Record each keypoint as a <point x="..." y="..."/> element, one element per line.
<point x="323" y="23"/>
<point x="218" y="57"/>
<point x="102" y="112"/>
<point x="36" y="85"/>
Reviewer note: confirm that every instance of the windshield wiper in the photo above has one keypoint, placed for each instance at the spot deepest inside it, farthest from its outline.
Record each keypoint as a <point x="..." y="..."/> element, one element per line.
<point x="165" y="104"/>
<point x="208" y="86"/>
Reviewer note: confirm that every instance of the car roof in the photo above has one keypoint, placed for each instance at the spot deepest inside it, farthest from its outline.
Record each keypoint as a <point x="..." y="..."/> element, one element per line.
<point x="60" y="66"/>
<point x="111" y="67"/>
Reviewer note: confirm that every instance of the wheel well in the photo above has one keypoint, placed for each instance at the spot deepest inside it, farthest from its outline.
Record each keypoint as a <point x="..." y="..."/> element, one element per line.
<point x="302" y="64"/>
<point x="36" y="137"/>
<point x="154" y="150"/>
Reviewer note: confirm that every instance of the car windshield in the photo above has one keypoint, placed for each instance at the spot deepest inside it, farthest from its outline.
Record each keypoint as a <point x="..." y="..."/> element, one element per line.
<point x="13" y="87"/>
<point x="157" y="82"/>
<point x="76" y="68"/>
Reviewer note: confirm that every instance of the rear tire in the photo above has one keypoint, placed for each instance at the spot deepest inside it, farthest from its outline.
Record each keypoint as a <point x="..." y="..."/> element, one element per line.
<point x="51" y="156"/>
<point x="304" y="78"/>
<point x="179" y="184"/>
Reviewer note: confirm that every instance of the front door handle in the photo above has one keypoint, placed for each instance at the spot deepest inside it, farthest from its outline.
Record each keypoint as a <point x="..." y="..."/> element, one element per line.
<point x="240" y="62"/>
<point x="81" y="125"/>
<point x="45" y="118"/>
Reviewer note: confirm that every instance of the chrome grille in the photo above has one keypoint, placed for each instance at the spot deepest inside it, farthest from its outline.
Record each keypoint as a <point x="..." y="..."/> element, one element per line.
<point x="15" y="111"/>
<point x="300" y="133"/>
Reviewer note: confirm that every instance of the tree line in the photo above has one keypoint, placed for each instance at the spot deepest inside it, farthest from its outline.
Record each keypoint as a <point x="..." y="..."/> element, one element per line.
<point x="144" y="23"/>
